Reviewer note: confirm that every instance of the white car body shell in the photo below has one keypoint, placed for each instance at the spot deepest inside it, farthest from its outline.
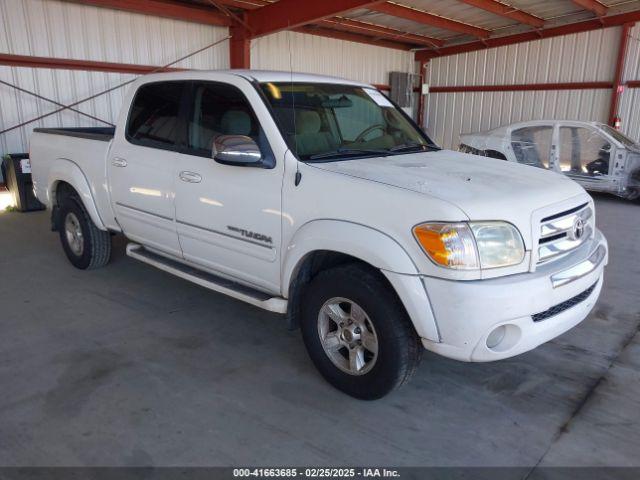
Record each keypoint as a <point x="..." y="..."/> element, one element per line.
<point x="622" y="177"/>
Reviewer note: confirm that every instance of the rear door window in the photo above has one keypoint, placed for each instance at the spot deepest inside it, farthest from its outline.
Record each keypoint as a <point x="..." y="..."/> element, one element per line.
<point x="154" y="118"/>
<point x="532" y="145"/>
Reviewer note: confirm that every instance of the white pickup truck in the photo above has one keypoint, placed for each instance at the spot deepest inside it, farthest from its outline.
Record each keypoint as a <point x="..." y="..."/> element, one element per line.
<point x="318" y="198"/>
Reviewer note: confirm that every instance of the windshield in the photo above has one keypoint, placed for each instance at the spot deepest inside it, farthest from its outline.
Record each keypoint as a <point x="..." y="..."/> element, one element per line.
<point x="324" y="122"/>
<point x="620" y="137"/>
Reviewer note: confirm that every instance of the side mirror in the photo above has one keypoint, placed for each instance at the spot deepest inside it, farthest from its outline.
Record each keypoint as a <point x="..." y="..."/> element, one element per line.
<point x="238" y="150"/>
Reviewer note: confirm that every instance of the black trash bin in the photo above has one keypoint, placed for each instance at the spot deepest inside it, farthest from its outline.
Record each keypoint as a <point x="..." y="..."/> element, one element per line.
<point x="17" y="170"/>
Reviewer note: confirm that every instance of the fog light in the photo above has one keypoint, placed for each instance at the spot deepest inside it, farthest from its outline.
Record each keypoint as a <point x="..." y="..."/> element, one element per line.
<point x="495" y="337"/>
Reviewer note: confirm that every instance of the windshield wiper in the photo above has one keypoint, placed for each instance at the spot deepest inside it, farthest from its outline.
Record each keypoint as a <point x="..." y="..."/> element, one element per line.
<point x="347" y="152"/>
<point x="408" y="147"/>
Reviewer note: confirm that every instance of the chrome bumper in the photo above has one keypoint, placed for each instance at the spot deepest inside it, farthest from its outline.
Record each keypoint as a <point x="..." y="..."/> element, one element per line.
<point x="581" y="269"/>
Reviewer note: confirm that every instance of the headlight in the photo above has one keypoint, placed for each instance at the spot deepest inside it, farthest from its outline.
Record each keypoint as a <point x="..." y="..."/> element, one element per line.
<point x="470" y="246"/>
<point x="499" y="244"/>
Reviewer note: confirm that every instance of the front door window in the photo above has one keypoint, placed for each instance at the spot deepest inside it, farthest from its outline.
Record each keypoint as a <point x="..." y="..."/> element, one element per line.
<point x="584" y="151"/>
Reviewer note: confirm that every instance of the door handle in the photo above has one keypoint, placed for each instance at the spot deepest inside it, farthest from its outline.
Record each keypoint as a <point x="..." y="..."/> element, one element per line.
<point x="190" y="177"/>
<point x="119" y="162"/>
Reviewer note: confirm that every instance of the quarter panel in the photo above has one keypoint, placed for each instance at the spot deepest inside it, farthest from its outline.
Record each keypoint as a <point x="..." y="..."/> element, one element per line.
<point x="64" y="170"/>
<point x="79" y="162"/>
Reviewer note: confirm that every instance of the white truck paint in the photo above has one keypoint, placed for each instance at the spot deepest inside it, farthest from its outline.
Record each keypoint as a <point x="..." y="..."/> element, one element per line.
<point x="257" y="230"/>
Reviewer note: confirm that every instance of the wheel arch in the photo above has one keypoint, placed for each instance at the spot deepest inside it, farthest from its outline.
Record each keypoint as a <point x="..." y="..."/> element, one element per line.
<point x="361" y="242"/>
<point x="324" y="244"/>
<point x="64" y="175"/>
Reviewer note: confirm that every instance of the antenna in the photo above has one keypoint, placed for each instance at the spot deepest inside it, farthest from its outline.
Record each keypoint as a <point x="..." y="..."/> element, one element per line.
<point x="298" y="176"/>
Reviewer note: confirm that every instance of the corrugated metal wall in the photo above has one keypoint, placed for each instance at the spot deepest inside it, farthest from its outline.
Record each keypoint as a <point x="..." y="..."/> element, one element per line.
<point x="630" y="99"/>
<point x="328" y="56"/>
<point x="582" y="57"/>
<point x="49" y="28"/>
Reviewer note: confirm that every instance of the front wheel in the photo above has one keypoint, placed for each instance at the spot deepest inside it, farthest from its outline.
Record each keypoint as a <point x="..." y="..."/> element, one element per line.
<point x="85" y="245"/>
<point x="357" y="332"/>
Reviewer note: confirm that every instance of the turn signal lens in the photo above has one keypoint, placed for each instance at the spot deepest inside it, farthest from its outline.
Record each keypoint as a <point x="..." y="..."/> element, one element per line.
<point x="448" y="244"/>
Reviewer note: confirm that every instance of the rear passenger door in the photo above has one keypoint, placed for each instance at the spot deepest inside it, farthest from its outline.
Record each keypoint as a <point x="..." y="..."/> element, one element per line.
<point x="228" y="217"/>
<point x="141" y="167"/>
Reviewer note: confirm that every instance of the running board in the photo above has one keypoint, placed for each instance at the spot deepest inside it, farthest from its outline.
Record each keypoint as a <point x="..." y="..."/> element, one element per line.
<point x="208" y="280"/>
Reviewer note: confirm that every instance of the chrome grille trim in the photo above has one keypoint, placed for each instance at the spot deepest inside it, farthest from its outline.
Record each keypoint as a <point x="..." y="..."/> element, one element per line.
<point x="557" y="236"/>
<point x="565" y="213"/>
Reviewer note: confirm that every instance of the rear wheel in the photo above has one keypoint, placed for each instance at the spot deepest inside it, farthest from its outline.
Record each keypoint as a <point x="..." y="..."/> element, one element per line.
<point x="85" y="245"/>
<point x="357" y="332"/>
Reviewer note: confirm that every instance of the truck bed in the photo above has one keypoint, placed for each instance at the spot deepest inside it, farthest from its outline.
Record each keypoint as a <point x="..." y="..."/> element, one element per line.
<point x="103" y="134"/>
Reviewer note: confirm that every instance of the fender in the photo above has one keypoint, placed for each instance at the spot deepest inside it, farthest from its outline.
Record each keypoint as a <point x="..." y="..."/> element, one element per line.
<point x="373" y="247"/>
<point x="64" y="170"/>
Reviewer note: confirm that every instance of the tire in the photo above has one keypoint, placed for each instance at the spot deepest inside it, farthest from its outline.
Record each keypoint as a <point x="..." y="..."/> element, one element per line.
<point x="90" y="247"/>
<point x="378" y="315"/>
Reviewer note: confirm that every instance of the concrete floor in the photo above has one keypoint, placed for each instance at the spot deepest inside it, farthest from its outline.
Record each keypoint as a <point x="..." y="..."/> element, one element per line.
<point x="128" y="365"/>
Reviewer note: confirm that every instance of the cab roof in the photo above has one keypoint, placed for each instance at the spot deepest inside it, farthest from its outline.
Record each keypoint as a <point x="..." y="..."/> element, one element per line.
<point x="281" y="76"/>
<point x="261" y="76"/>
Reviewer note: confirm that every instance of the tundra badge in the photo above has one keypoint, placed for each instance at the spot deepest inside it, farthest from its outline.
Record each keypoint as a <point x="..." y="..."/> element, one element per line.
<point x="252" y="235"/>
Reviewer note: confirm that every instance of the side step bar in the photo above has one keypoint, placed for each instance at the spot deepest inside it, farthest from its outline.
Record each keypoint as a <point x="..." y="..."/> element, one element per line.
<point x="208" y="280"/>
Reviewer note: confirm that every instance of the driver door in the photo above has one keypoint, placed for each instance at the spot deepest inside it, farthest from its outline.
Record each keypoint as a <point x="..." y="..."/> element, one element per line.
<point x="585" y="154"/>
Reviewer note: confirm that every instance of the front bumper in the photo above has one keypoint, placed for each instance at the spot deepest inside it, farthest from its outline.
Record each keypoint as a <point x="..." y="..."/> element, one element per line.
<point x="559" y="294"/>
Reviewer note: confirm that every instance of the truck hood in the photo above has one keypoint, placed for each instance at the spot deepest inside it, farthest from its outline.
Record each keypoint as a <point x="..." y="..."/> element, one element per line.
<point x="483" y="188"/>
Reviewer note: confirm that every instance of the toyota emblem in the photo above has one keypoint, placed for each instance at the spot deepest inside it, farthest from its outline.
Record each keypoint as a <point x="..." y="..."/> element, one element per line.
<point x="578" y="228"/>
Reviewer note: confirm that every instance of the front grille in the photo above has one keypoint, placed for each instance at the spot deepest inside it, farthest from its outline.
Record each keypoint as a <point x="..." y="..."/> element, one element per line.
<point x="566" y="305"/>
<point x="565" y="231"/>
